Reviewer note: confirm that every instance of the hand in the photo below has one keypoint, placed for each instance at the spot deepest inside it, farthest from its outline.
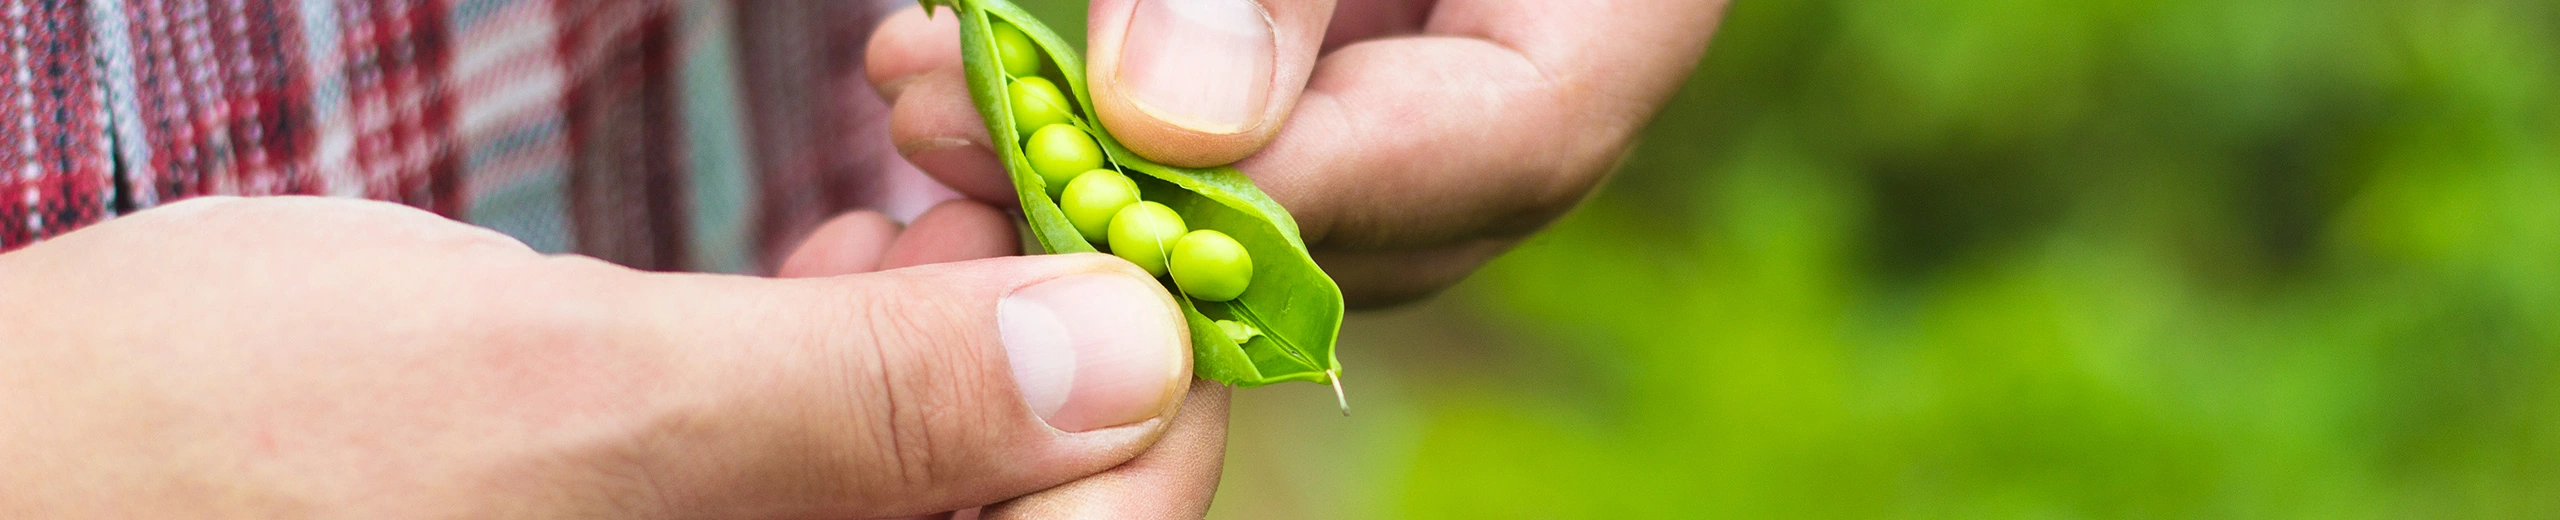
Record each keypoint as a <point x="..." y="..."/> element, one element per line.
<point x="1174" y="478"/>
<point x="261" y="358"/>
<point x="1412" y="139"/>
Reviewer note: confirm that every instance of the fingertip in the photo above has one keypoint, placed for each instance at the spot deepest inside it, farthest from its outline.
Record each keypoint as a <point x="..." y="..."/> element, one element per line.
<point x="938" y="129"/>
<point x="1204" y="83"/>
<point x="967" y="168"/>
<point x="1172" y="143"/>
<point x="954" y="231"/>
<point x="767" y="365"/>
<point x="848" y="244"/>
<point x="1176" y="478"/>
<point x="1151" y="133"/>
<point x="1096" y="350"/>
<point x="908" y="45"/>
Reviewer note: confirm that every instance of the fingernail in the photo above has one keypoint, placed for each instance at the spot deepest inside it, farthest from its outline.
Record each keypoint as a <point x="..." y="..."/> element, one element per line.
<point x="1200" y="64"/>
<point x="1093" y="351"/>
<point x="945" y="151"/>
<point x="945" y="154"/>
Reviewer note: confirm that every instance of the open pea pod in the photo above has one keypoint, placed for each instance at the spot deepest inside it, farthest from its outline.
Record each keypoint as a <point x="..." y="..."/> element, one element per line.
<point x="1280" y="328"/>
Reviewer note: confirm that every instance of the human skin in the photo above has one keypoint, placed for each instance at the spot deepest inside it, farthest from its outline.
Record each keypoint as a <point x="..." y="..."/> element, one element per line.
<point x="297" y="357"/>
<point x="1411" y="139"/>
<point x="1174" y="478"/>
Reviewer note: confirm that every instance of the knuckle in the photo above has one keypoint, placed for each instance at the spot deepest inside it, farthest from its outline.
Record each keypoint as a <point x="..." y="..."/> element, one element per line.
<point x="917" y="384"/>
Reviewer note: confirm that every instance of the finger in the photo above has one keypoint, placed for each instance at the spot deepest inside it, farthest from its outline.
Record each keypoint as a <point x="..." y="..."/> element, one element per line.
<point x="848" y="244"/>
<point x="1371" y="19"/>
<point x="938" y="130"/>
<point x="1174" y="479"/>
<point x="1376" y="279"/>
<point x="904" y="392"/>
<point x="1501" y="117"/>
<point x="1200" y="82"/>
<point x="954" y="231"/>
<point x="914" y="61"/>
<point x="908" y="44"/>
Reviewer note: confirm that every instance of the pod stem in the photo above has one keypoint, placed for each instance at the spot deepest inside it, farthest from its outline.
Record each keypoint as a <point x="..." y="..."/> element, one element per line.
<point x="1338" y="398"/>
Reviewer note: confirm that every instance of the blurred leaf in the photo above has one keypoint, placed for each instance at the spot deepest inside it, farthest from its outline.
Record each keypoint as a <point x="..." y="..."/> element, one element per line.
<point x="2024" y="258"/>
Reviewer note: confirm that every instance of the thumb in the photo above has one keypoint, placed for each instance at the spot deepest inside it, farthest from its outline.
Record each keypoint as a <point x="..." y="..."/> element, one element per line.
<point x="1201" y="82"/>
<point x="915" y="390"/>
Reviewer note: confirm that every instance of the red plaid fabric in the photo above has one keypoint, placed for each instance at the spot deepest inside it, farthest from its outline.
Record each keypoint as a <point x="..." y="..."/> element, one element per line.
<point x="54" y="173"/>
<point x="112" y="106"/>
<point x="804" y="104"/>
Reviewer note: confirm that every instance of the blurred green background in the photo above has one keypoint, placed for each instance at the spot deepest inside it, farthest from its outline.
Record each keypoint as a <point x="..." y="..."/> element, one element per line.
<point x="2002" y="258"/>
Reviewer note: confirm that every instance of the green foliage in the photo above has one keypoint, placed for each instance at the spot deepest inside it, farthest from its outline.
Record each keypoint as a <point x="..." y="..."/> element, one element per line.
<point x="2007" y="258"/>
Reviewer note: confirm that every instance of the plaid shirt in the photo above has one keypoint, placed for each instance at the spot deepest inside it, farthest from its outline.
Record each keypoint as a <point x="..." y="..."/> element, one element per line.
<point x="662" y="134"/>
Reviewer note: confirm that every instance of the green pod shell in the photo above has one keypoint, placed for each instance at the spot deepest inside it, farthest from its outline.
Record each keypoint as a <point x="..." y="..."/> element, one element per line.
<point x="1292" y="309"/>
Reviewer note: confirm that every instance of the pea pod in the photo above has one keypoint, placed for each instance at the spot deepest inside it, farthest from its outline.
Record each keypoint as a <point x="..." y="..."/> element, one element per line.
<point x="1280" y="328"/>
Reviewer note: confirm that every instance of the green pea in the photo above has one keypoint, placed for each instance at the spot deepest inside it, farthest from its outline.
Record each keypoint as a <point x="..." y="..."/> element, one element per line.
<point x="1059" y="153"/>
<point x="1144" y="232"/>
<point x="1014" y="49"/>
<point x="1211" y="266"/>
<point x="1036" y="104"/>
<point x="1093" y="198"/>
